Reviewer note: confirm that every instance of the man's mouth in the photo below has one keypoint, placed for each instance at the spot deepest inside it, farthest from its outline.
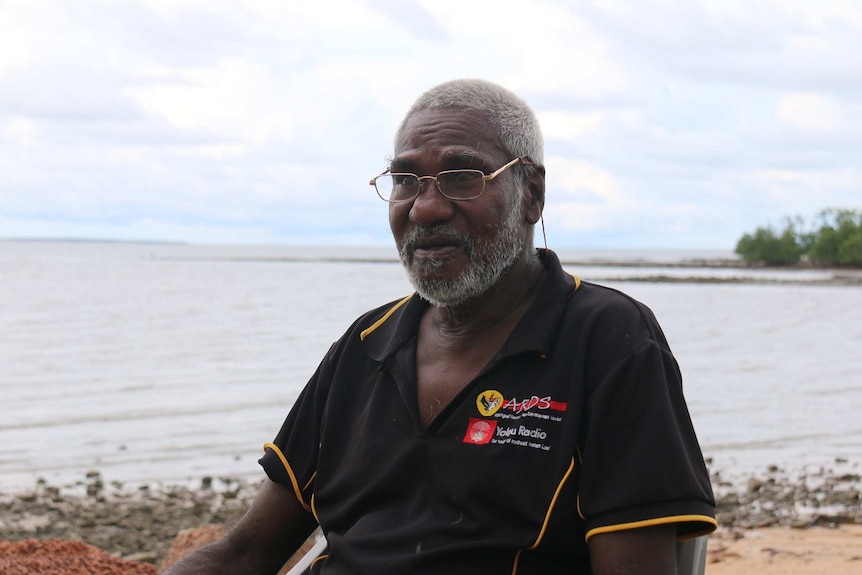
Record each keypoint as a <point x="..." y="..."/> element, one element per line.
<point x="437" y="247"/>
<point x="434" y="244"/>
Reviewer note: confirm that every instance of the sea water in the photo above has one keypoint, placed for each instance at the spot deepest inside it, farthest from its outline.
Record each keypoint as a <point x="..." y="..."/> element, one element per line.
<point x="153" y="362"/>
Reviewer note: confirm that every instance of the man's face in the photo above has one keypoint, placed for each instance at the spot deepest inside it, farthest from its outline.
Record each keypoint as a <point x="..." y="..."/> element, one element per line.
<point x="455" y="251"/>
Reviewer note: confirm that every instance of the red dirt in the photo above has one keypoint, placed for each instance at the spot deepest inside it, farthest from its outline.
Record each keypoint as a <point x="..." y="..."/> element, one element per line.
<point x="31" y="557"/>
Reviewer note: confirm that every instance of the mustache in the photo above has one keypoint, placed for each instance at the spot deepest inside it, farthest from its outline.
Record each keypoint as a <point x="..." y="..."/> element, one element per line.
<point x="441" y="232"/>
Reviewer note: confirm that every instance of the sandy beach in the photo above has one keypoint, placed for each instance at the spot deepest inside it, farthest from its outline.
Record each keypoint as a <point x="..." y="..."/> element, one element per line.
<point x="786" y="551"/>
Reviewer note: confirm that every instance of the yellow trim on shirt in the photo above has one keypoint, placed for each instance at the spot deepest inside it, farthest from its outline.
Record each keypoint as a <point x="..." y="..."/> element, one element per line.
<point x="310" y="481"/>
<point x="551" y="506"/>
<point x="380" y="321"/>
<point x="578" y="496"/>
<point x="318" y="559"/>
<point x="314" y="509"/>
<point x="290" y="474"/>
<point x="547" y="516"/>
<point x="657" y="521"/>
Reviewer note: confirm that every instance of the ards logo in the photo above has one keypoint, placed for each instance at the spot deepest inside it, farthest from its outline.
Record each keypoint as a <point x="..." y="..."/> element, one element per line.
<point x="489" y="402"/>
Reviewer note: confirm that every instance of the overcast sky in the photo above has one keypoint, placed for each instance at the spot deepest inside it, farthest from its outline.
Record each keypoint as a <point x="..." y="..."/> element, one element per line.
<point x="667" y="123"/>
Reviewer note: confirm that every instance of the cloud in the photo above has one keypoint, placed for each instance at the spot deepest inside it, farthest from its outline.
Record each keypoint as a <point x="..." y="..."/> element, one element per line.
<point x="584" y="197"/>
<point x="763" y="44"/>
<point x="16" y="45"/>
<point x="568" y="126"/>
<point x="19" y="132"/>
<point x="665" y="121"/>
<point x="584" y="180"/>
<point x="233" y="98"/>
<point x="809" y="111"/>
<point x="805" y="191"/>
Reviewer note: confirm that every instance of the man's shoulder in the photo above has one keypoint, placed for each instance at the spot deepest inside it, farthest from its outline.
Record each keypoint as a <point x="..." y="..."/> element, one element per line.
<point x="382" y="312"/>
<point x="597" y="297"/>
<point x="373" y="331"/>
<point x="608" y="312"/>
<point x="375" y="318"/>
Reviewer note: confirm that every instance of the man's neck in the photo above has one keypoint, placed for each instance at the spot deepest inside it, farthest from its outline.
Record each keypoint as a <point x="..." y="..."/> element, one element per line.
<point x="498" y="308"/>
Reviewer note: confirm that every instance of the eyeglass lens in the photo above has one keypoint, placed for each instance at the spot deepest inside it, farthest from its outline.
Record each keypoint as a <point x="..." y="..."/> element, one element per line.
<point x="454" y="184"/>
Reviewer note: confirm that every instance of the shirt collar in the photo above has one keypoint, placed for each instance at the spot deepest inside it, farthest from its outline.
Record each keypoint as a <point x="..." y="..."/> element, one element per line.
<point x="535" y="331"/>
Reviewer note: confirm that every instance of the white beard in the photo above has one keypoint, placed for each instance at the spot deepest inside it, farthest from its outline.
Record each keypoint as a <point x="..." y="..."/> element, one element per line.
<point x="490" y="260"/>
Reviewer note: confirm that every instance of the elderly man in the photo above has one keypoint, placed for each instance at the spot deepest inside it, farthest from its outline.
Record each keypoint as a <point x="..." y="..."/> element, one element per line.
<point x="507" y="418"/>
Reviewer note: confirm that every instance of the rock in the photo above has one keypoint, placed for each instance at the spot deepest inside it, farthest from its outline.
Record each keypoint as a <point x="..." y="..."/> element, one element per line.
<point x="754" y="485"/>
<point x="32" y="524"/>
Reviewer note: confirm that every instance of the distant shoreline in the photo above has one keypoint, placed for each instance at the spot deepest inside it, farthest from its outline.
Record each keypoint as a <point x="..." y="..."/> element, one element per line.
<point x="94" y="241"/>
<point x="834" y="281"/>
<point x="707" y="266"/>
<point x="838" y="277"/>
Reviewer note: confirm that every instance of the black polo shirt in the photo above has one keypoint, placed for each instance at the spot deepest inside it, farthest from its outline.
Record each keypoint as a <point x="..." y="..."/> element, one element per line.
<point x="577" y="426"/>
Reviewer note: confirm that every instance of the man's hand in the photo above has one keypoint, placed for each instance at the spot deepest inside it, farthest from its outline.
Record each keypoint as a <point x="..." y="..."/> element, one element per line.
<point x="260" y="543"/>
<point x="644" y="551"/>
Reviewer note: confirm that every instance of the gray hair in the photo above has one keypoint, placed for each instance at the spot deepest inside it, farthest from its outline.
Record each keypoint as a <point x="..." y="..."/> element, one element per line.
<point x="514" y="119"/>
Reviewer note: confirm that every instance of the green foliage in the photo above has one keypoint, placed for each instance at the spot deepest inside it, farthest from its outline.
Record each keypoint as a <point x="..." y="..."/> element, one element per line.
<point x="771" y="247"/>
<point x="837" y="240"/>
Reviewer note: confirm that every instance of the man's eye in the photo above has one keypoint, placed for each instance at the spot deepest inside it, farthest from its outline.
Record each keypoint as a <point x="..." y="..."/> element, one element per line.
<point x="405" y="180"/>
<point x="462" y="179"/>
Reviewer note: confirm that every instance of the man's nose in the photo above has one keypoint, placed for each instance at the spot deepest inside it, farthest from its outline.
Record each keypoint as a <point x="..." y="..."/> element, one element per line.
<point x="430" y="206"/>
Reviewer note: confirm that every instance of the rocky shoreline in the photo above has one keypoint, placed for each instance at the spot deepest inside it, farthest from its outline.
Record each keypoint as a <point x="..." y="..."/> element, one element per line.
<point x="137" y="523"/>
<point x="825" y="496"/>
<point x="140" y="522"/>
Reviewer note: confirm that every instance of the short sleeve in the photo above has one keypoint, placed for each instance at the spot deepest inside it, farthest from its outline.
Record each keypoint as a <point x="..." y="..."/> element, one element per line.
<point x="641" y="462"/>
<point x="291" y="458"/>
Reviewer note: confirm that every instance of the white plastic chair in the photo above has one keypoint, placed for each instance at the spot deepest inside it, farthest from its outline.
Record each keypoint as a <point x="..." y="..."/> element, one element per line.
<point x="301" y="568"/>
<point x="690" y="557"/>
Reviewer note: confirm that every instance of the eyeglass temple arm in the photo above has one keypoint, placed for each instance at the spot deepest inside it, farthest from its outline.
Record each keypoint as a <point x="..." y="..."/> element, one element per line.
<point x="522" y="160"/>
<point x="371" y="181"/>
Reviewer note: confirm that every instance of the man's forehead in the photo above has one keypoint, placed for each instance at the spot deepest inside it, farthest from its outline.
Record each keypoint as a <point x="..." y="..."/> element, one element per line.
<point x="462" y="154"/>
<point x="454" y="133"/>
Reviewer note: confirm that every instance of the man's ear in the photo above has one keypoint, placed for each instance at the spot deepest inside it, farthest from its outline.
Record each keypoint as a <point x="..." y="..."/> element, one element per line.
<point x="535" y="187"/>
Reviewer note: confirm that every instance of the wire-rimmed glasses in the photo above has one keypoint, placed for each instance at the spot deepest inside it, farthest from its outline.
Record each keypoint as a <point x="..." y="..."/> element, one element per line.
<point x="458" y="185"/>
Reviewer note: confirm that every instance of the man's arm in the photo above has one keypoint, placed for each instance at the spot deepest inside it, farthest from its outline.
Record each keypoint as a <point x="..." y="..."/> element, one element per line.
<point x="260" y="543"/>
<point x="643" y="551"/>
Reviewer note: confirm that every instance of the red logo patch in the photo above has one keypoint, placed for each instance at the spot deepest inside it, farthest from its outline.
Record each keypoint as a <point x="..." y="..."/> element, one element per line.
<point x="479" y="431"/>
